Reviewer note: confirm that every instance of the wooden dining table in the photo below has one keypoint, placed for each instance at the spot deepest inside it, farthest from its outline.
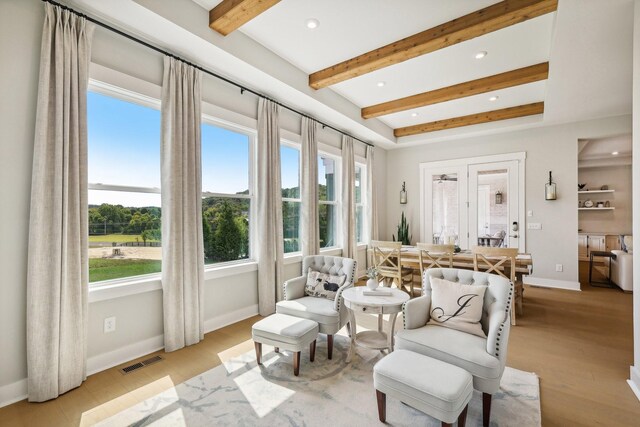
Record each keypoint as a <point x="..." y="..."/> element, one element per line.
<point x="410" y="257"/>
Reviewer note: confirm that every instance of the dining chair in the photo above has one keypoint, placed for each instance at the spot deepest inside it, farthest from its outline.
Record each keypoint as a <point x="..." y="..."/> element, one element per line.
<point x="387" y="259"/>
<point x="434" y="256"/>
<point x="499" y="261"/>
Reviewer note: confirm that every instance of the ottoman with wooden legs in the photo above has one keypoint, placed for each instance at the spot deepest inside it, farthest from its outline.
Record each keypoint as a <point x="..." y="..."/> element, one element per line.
<point x="286" y="332"/>
<point x="436" y="388"/>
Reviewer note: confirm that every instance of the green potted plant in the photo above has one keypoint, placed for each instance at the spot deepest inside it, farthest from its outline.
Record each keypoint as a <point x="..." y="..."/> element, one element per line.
<point x="403" y="231"/>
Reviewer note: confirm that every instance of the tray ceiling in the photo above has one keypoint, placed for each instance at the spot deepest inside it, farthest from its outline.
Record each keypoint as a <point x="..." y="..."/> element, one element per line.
<point x="349" y="29"/>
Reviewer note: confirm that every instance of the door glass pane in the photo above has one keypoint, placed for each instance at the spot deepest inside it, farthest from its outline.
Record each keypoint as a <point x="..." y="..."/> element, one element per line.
<point x="446" y="216"/>
<point x="493" y="209"/>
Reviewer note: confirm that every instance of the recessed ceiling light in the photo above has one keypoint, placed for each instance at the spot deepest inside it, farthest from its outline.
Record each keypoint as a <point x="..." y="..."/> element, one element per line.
<point x="615" y="153"/>
<point x="312" y="23"/>
<point x="481" y="54"/>
<point x="494" y="98"/>
<point x="380" y="84"/>
<point x="414" y="114"/>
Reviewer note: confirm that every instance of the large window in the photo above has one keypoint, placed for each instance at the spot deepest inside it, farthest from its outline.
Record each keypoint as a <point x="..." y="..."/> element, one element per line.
<point x="227" y="194"/>
<point x="327" y="201"/>
<point x="291" y="203"/>
<point x="124" y="187"/>
<point x="360" y="203"/>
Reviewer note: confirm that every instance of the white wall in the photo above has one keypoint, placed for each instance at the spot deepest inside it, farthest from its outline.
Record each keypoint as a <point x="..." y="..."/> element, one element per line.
<point x="618" y="221"/>
<point x="139" y="317"/>
<point x="634" y="380"/>
<point x="20" y="31"/>
<point x="552" y="148"/>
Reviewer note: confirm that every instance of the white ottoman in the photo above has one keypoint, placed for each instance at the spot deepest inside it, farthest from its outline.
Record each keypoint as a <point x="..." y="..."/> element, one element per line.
<point x="436" y="388"/>
<point x="287" y="332"/>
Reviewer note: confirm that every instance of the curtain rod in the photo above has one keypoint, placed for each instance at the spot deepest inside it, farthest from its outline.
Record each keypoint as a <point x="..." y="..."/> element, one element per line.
<point x="204" y="70"/>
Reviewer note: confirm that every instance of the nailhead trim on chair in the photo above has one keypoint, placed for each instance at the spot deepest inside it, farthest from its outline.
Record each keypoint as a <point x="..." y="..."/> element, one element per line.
<point x="507" y="319"/>
<point x="404" y="314"/>
<point x="353" y="279"/>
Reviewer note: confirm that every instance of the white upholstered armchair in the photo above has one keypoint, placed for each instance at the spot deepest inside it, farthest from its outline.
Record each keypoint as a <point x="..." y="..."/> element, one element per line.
<point x="331" y="315"/>
<point x="484" y="358"/>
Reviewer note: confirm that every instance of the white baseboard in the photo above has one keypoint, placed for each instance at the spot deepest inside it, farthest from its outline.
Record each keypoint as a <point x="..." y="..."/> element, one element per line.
<point x="634" y="381"/>
<point x="17" y="391"/>
<point x="551" y="283"/>
<point x="12" y="393"/>
<point x="229" y="318"/>
<point x="121" y="355"/>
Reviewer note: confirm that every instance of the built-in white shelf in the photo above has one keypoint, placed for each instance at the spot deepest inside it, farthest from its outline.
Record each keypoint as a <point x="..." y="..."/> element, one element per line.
<point x="595" y="191"/>
<point x="596" y="209"/>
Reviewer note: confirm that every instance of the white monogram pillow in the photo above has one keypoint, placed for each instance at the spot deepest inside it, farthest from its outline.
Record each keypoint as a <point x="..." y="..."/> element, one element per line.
<point x="322" y="284"/>
<point x="457" y="306"/>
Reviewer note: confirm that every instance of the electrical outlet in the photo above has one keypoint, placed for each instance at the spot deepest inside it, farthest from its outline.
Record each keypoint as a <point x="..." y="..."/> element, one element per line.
<point x="559" y="267"/>
<point x="109" y="324"/>
<point x="534" y="226"/>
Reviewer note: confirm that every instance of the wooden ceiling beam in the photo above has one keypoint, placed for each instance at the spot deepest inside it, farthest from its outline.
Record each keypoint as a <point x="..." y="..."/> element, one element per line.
<point x="512" y="78"/>
<point x="230" y="15"/>
<point x="473" y="119"/>
<point x="478" y="23"/>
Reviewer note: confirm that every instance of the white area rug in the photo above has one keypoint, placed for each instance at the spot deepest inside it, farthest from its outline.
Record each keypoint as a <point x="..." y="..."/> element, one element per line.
<point x="327" y="393"/>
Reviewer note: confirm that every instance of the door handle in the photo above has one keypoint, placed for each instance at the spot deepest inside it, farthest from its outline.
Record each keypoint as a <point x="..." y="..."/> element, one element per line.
<point x="515" y="236"/>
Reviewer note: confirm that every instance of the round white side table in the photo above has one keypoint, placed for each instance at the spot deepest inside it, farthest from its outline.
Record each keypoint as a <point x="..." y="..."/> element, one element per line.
<point x="357" y="302"/>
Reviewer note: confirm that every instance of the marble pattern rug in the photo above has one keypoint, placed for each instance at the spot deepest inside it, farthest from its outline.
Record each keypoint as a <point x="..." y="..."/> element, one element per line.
<point x="327" y="393"/>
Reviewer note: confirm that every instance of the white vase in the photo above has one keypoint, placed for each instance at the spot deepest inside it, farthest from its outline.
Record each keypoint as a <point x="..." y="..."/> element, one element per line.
<point x="372" y="284"/>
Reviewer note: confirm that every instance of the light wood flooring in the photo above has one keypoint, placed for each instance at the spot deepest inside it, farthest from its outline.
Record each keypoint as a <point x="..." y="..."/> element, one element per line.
<point x="579" y="343"/>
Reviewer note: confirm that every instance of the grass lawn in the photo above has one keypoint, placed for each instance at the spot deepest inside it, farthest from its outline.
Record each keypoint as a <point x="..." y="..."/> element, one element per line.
<point x="106" y="269"/>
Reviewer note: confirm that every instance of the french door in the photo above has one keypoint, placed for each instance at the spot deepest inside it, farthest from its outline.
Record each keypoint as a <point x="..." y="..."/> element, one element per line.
<point x="493" y="204"/>
<point x="472" y="202"/>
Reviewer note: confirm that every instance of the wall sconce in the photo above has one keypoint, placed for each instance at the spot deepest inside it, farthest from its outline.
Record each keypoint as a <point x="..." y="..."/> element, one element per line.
<point x="498" y="197"/>
<point x="403" y="194"/>
<point x="550" y="189"/>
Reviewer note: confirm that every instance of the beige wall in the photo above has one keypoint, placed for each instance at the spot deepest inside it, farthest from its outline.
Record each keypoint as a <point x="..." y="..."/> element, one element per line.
<point x="635" y="369"/>
<point x="139" y="317"/>
<point x="618" y="221"/>
<point x="20" y="31"/>
<point x="551" y="148"/>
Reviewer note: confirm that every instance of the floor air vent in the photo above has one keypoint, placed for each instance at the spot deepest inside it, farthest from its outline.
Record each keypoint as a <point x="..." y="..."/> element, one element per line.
<point x="142" y="364"/>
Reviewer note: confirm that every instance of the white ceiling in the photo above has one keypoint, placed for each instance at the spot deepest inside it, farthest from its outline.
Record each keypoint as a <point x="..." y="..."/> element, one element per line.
<point x="598" y="152"/>
<point x="603" y="147"/>
<point x="380" y="22"/>
<point x="587" y="42"/>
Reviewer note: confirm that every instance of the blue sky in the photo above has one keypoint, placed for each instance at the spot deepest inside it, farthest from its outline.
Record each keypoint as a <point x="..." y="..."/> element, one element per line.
<point x="124" y="149"/>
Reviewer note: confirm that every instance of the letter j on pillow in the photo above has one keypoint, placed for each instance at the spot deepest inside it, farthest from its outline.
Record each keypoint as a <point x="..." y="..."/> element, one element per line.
<point x="457" y="306"/>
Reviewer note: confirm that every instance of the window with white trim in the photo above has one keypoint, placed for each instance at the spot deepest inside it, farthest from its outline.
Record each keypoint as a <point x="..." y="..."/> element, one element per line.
<point x="291" y="202"/>
<point x="327" y="200"/>
<point x="227" y="192"/>
<point x="124" y="186"/>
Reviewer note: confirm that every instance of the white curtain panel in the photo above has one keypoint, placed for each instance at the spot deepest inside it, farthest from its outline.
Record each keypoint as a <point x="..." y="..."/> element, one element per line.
<point x="57" y="275"/>
<point x="309" y="227"/>
<point x="269" y="197"/>
<point x="182" y="240"/>
<point x="348" y="199"/>
<point x="372" y="199"/>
